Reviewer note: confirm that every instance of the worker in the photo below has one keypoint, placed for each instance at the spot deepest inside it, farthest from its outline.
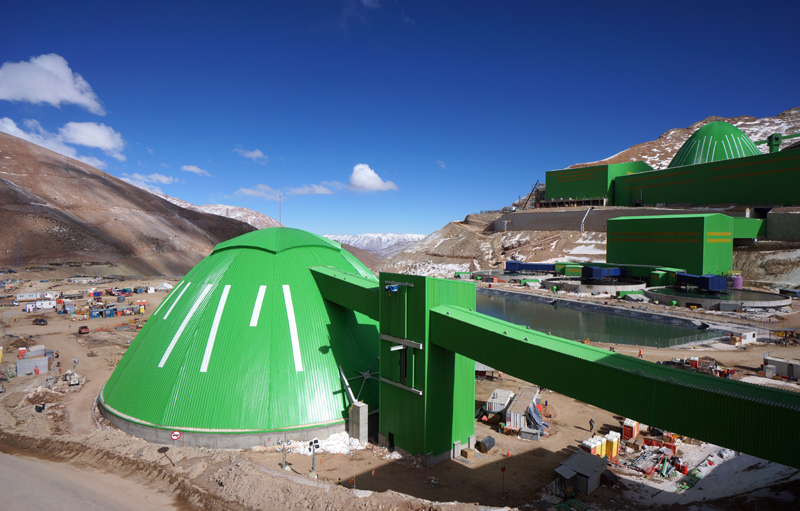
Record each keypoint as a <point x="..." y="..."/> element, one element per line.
<point x="57" y="353"/>
<point x="500" y="375"/>
<point x="591" y="425"/>
<point x="640" y="354"/>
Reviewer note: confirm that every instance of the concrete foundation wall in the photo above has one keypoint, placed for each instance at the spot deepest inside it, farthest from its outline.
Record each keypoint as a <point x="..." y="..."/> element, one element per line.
<point x="220" y="440"/>
<point x="782" y="225"/>
<point x="569" y="219"/>
<point x="709" y="303"/>
<point x="576" y="286"/>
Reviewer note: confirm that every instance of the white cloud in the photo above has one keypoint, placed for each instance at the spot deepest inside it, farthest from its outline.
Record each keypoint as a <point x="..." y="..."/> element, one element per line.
<point x="364" y="179"/>
<point x="406" y="19"/>
<point x="310" y="190"/>
<point x="263" y="191"/>
<point x="36" y="134"/>
<point x="92" y="134"/>
<point x="255" y="155"/>
<point x="194" y="169"/>
<point x="47" y="79"/>
<point x="165" y="165"/>
<point x="441" y="164"/>
<point x="149" y="150"/>
<point x="153" y="178"/>
<point x="147" y="181"/>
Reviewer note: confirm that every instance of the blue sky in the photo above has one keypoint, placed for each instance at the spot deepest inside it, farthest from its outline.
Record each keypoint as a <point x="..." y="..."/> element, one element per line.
<point x="378" y="115"/>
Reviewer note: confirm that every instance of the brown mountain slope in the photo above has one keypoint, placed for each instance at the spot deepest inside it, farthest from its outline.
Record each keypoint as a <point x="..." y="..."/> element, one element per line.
<point x="57" y="209"/>
<point x="370" y="261"/>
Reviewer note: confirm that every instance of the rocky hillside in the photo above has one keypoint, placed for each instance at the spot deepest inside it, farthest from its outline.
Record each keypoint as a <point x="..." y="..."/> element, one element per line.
<point x="381" y="245"/>
<point x="56" y="209"/>
<point x="248" y="216"/>
<point x="471" y="245"/>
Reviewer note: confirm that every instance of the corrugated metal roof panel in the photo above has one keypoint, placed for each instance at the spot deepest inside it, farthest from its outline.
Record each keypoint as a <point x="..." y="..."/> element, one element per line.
<point x="278" y="239"/>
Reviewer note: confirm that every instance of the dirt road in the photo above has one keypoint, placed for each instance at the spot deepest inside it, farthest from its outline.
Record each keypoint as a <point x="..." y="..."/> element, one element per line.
<point x="29" y="483"/>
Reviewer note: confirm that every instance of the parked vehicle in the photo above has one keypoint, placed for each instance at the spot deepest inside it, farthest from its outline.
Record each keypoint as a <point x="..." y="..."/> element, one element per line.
<point x="83" y="330"/>
<point x="39" y="321"/>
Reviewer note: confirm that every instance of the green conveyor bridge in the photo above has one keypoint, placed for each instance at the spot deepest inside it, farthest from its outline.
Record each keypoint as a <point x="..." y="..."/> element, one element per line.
<point x="431" y="334"/>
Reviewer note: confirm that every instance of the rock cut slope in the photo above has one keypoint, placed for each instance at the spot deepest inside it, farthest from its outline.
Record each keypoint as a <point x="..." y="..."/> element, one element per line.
<point x="56" y="209"/>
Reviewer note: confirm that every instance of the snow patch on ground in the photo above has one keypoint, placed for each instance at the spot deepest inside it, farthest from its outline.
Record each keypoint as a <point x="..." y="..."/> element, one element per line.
<point x="430" y="269"/>
<point x="769" y="382"/>
<point x="587" y="250"/>
<point x="732" y="474"/>
<point x="338" y="443"/>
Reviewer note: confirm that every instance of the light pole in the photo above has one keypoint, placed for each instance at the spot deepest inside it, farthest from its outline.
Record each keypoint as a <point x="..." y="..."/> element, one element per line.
<point x="284" y="447"/>
<point x="314" y="444"/>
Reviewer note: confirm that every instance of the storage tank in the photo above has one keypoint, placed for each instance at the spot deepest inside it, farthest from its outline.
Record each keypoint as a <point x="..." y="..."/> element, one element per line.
<point x="737" y="282"/>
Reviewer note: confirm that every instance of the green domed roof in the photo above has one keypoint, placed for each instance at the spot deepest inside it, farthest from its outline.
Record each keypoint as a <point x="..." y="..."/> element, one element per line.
<point x="715" y="141"/>
<point x="246" y="343"/>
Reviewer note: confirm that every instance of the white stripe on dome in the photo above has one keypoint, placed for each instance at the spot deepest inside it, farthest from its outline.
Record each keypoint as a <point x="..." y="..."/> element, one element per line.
<point x="287" y="297"/>
<point x="177" y="300"/>
<point x="212" y="336"/>
<point x="257" y="306"/>
<point x="184" y="323"/>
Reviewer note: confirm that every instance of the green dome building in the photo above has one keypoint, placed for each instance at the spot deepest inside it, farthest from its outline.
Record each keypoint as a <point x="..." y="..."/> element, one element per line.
<point x="245" y="351"/>
<point x="716" y="141"/>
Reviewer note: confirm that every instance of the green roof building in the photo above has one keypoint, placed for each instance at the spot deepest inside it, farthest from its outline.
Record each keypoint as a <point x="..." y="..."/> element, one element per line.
<point x="245" y="351"/>
<point x="594" y="182"/>
<point x="716" y="141"/>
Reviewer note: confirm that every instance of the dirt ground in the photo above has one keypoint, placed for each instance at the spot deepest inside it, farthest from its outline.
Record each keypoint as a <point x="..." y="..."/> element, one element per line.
<point x="70" y="429"/>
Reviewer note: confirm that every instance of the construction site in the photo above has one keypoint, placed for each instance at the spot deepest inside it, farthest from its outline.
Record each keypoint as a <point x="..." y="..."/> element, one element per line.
<point x="281" y="372"/>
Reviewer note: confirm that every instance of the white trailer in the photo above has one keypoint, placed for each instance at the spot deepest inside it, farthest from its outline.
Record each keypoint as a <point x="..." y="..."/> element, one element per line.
<point x="29" y="297"/>
<point x="45" y="304"/>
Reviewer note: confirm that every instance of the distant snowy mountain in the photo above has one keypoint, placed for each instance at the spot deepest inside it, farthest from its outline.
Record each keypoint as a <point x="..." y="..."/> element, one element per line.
<point x="382" y="245"/>
<point x="254" y="218"/>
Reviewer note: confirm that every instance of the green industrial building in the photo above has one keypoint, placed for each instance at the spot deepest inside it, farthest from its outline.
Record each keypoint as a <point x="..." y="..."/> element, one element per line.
<point x="699" y="244"/>
<point x="596" y="182"/>
<point x="244" y="350"/>
<point x="718" y="164"/>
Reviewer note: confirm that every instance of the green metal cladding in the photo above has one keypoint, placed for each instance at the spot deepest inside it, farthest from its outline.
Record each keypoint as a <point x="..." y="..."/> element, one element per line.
<point x="430" y="406"/>
<point x="246" y="343"/>
<point x="700" y="244"/>
<point x="589" y="182"/>
<point x="716" y="141"/>
<point x="749" y="227"/>
<point x="772" y="179"/>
